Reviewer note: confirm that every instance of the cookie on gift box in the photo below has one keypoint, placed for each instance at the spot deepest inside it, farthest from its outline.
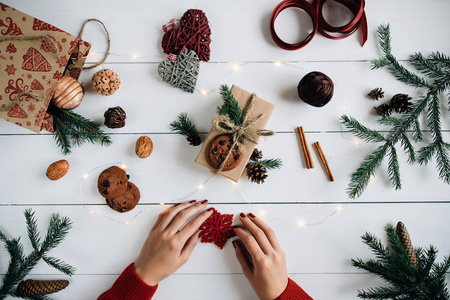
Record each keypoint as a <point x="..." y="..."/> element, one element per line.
<point x="127" y="201"/>
<point x="112" y="182"/>
<point x="218" y="150"/>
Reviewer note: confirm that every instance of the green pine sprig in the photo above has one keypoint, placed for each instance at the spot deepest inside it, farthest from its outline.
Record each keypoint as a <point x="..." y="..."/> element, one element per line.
<point x="271" y="163"/>
<point x="405" y="129"/>
<point x="72" y="129"/>
<point x="230" y="106"/>
<point x="20" y="265"/>
<point x="426" y="280"/>
<point x="184" y="125"/>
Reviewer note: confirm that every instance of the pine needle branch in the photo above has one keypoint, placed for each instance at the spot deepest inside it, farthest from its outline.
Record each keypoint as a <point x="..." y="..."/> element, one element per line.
<point x="436" y="67"/>
<point x="33" y="233"/>
<point x="184" y="125"/>
<point x="230" y="106"/>
<point x="271" y="163"/>
<point x="71" y="129"/>
<point x="426" y="281"/>
<point x="21" y="265"/>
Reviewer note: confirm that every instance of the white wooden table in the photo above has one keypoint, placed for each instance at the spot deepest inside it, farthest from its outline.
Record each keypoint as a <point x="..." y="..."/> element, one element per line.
<point x="243" y="53"/>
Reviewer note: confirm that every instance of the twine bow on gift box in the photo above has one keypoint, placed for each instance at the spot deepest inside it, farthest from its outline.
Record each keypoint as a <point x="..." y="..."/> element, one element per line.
<point x="246" y="131"/>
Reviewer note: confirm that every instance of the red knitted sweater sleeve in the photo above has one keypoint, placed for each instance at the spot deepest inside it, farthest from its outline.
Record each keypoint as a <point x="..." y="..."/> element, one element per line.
<point x="293" y="292"/>
<point x="130" y="287"/>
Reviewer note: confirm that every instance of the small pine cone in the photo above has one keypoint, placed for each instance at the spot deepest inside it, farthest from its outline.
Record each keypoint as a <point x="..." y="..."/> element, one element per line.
<point x="403" y="235"/>
<point x="32" y="287"/>
<point x="194" y="139"/>
<point x="376" y="93"/>
<point x="256" y="155"/>
<point x="383" y="109"/>
<point x="399" y="103"/>
<point x="115" y="117"/>
<point x="256" y="172"/>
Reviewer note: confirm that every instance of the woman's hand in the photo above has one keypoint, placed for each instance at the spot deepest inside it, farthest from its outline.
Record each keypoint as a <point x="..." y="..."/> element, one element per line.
<point x="169" y="244"/>
<point x="261" y="257"/>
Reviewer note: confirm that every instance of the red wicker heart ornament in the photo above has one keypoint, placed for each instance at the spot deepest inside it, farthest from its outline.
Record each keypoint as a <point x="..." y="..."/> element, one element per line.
<point x="217" y="229"/>
<point x="193" y="32"/>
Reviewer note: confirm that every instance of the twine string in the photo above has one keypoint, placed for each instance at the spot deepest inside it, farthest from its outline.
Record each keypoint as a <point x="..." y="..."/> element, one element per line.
<point x="109" y="43"/>
<point x="31" y="38"/>
<point x="17" y="99"/>
<point x="239" y="133"/>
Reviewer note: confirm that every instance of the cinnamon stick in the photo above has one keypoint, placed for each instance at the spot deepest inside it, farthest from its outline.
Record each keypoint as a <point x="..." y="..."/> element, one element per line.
<point x="305" y="148"/>
<point x="324" y="161"/>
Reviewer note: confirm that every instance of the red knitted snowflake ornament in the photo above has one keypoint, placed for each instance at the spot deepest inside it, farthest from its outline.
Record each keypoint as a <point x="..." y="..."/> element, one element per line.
<point x="193" y="32"/>
<point x="217" y="229"/>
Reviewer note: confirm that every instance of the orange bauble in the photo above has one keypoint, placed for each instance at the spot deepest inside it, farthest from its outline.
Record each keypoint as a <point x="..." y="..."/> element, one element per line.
<point x="68" y="93"/>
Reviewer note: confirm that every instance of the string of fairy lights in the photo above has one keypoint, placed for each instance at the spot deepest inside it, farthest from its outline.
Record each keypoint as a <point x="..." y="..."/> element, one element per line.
<point x="300" y="222"/>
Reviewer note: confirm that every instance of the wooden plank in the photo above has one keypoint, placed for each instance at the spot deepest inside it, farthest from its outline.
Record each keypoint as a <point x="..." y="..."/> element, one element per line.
<point x="151" y="105"/>
<point x="170" y="172"/>
<point x="219" y="286"/>
<point x="98" y="245"/>
<point x="240" y="30"/>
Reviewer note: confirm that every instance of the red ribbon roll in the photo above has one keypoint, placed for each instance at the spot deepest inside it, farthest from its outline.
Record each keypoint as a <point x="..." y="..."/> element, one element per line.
<point x="356" y="7"/>
<point x="319" y="23"/>
<point x="302" y="4"/>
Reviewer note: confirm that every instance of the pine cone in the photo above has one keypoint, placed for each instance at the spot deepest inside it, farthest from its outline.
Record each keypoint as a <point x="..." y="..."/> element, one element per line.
<point x="194" y="139"/>
<point x="403" y="235"/>
<point x="399" y="103"/>
<point x="32" y="287"/>
<point x="376" y="93"/>
<point x="256" y="172"/>
<point x="383" y="109"/>
<point x="256" y="155"/>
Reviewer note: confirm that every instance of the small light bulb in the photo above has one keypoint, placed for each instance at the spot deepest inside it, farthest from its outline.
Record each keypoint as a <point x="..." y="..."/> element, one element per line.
<point x="162" y="203"/>
<point x="201" y="186"/>
<point x="123" y="166"/>
<point x="277" y="63"/>
<point x="204" y="92"/>
<point x="262" y="212"/>
<point x="339" y="208"/>
<point x="127" y="222"/>
<point x="91" y="211"/>
<point x="371" y="178"/>
<point x="134" y="56"/>
<point x="85" y="175"/>
<point x="236" y="67"/>
<point x="301" y="223"/>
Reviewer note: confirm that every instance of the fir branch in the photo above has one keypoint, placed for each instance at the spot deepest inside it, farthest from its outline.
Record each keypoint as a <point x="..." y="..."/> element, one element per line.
<point x="230" y="106"/>
<point x="71" y="128"/>
<point x="184" y="125"/>
<point x="33" y="233"/>
<point x="406" y="281"/>
<point x="435" y="67"/>
<point x="272" y="163"/>
<point x="61" y="136"/>
<point x="20" y="266"/>
<point x="57" y="231"/>
<point x="394" y="169"/>
<point x="360" y="178"/>
<point x="361" y="131"/>
<point x="59" y="265"/>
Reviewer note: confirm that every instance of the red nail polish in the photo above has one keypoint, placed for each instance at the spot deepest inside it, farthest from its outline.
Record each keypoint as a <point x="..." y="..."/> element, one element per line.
<point x="251" y="215"/>
<point x="176" y="204"/>
<point x="210" y="209"/>
<point x="192" y="201"/>
<point x="242" y="215"/>
<point x="200" y="234"/>
<point x="204" y="202"/>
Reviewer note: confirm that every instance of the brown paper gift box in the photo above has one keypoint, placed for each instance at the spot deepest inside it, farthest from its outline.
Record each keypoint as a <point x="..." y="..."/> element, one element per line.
<point x="34" y="67"/>
<point x="260" y="106"/>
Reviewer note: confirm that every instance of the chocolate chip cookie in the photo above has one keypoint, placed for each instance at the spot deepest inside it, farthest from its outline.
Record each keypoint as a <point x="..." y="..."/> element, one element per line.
<point x="127" y="201"/>
<point x="112" y="182"/>
<point x="218" y="150"/>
